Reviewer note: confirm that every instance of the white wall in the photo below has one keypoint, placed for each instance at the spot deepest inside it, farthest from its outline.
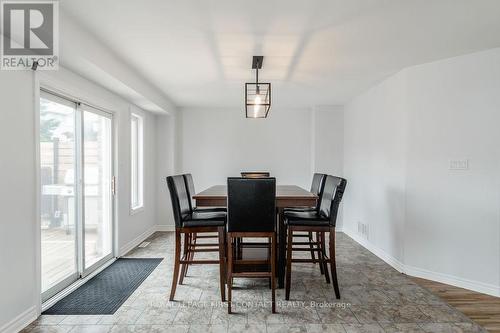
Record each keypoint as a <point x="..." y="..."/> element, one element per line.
<point x="327" y="133"/>
<point x="165" y="166"/>
<point x="400" y="136"/>
<point x="17" y="197"/>
<point x="453" y="217"/>
<point x="217" y="143"/>
<point x="133" y="228"/>
<point x="328" y="139"/>
<point x="19" y="278"/>
<point x="375" y="162"/>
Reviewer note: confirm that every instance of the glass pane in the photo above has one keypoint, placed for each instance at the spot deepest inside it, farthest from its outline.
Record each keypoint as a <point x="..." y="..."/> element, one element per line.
<point x="134" y="161"/>
<point x="97" y="187"/>
<point x="57" y="174"/>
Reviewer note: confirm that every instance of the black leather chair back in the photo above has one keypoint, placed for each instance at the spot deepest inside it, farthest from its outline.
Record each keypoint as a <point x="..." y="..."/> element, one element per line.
<point x="188" y="178"/>
<point x="337" y="198"/>
<point x="251" y="204"/>
<point x="317" y="186"/>
<point x="330" y="197"/>
<point x="317" y="182"/>
<point x="179" y="197"/>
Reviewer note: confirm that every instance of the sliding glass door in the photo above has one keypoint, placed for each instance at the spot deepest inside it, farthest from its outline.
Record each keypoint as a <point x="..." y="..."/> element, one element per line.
<point x="58" y="189"/>
<point x="97" y="217"/>
<point x="76" y="191"/>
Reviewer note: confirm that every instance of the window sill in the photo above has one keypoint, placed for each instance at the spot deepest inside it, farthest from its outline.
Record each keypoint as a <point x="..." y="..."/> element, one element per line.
<point x="136" y="210"/>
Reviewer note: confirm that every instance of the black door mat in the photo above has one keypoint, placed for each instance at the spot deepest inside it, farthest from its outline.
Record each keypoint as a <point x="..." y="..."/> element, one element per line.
<point x="106" y="292"/>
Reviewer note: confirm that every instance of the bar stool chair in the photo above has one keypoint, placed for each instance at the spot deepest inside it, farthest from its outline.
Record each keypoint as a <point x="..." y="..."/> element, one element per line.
<point x="190" y="241"/>
<point x="322" y="221"/>
<point x="314" y="245"/>
<point x="188" y="222"/>
<point x="251" y="205"/>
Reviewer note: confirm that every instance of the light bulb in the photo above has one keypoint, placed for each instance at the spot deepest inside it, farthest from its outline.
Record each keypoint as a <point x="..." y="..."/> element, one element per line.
<point x="257" y="101"/>
<point x="257" y="105"/>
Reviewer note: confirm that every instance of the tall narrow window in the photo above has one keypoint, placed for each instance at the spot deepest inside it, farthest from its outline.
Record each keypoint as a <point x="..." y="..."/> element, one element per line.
<point x="137" y="168"/>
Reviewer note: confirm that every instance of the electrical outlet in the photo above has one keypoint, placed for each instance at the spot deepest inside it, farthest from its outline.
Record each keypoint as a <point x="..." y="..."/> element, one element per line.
<point x="459" y="164"/>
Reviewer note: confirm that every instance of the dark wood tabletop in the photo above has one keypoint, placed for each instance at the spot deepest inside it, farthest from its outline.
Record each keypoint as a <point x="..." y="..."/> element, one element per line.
<point x="286" y="196"/>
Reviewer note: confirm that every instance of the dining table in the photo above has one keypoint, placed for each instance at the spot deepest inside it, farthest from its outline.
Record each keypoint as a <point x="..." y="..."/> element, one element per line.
<point x="286" y="196"/>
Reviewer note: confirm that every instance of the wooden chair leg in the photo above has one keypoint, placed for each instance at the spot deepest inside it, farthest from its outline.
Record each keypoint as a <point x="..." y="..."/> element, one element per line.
<point x="333" y="265"/>
<point x="229" y="273"/>
<point x="273" y="273"/>
<point x="185" y="256"/>
<point x="324" y="262"/>
<point x="289" y="263"/>
<point x="239" y="248"/>
<point x="176" y="264"/>
<point x="269" y="254"/>
<point x="222" y="264"/>
<point x="192" y="241"/>
<point x="313" y="257"/>
<point x="235" y="248"/>
<point x="320" y="255"/>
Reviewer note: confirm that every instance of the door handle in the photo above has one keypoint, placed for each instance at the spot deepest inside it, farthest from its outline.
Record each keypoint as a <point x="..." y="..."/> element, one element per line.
<point x="113" y="185"/>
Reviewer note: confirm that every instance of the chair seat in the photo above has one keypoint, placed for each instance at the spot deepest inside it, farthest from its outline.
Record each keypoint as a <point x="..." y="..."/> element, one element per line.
<point x="204" y="219"/>
<point x="306" y="218"/>
<point x="209" y="209"/>
<point x="204" y="223"/>
<point x="299" y="209"/>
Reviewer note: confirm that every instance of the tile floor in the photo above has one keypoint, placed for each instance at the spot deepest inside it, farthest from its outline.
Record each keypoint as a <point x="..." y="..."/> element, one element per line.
<point x="375" y="298"/>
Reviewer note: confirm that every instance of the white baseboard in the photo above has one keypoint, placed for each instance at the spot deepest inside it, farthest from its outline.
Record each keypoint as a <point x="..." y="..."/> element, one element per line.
<point x="136" y="241"/>
<point x="398" y="265"/>
<point x="142" y="237"/>
<point x="21" y="321"/>
<point x="164" y="227"/>
<point x="481" y="287"/>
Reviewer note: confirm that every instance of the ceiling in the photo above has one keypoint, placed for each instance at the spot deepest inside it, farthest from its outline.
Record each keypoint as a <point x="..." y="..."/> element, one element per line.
<point x="317" y="52"/>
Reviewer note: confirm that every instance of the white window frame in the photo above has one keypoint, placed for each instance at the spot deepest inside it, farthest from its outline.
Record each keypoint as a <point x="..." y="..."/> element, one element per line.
<point x="136" y="163"/>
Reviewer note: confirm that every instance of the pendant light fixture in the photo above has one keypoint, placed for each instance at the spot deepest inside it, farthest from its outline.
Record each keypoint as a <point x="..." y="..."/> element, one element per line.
<point x="257" y="94"/>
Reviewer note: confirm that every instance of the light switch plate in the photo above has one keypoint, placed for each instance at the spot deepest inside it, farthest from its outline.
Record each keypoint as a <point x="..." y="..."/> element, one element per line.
<point x="459" y="164"/>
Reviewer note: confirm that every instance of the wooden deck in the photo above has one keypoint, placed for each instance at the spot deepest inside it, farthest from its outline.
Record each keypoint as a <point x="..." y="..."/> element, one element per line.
<point x="58" y="254"/>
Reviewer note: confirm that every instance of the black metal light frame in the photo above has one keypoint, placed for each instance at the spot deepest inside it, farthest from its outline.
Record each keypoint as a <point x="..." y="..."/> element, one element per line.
<point x="259" y="86"/>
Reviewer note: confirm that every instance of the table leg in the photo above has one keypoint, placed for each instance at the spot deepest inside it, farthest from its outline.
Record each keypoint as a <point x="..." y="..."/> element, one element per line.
<point x="281" y="248"/>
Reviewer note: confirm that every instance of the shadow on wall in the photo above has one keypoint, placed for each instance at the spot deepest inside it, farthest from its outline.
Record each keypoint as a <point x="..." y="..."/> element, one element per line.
<point x="396" y="211"/>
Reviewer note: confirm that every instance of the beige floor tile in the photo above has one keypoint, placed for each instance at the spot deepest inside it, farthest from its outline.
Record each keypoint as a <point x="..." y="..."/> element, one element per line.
<point x="325" y="328"/>
<point x="286" y="328"/>
<point x="81" y="320"/>
<point x="363" y="328"/>
<point x="247" y="328"/>
<point x="375" y="297"/>
<point x="91" y="329"/>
